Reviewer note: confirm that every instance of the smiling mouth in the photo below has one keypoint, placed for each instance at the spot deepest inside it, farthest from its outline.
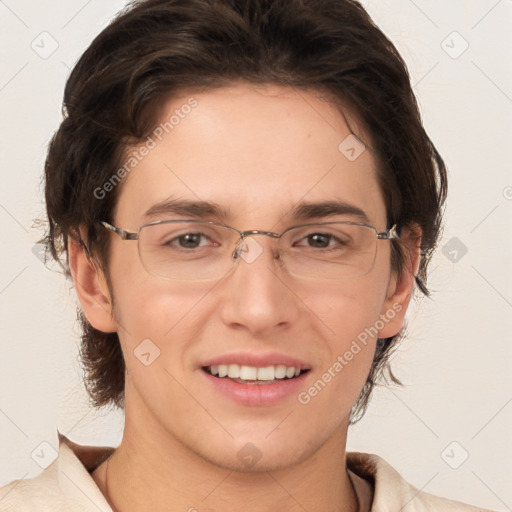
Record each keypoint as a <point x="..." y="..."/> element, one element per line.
<point x="252" y="374"/>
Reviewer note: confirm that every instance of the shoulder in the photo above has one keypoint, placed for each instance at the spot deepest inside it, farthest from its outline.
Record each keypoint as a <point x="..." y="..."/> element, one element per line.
<point x="64" y="486"/>
<point x="392" y="492"/>
<point x="33" y="493"/>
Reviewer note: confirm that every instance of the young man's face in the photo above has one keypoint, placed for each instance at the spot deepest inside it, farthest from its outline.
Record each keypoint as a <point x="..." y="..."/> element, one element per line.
<point x="259" y="153"/>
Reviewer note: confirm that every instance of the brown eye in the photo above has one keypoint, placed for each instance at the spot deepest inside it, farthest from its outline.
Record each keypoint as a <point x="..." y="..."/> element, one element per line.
<point x="319" y="240"/>
<point x="190" y="240"/>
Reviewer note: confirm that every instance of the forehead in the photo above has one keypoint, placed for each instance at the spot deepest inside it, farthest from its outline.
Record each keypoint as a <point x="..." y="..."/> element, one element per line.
<point x="256" y="152"/>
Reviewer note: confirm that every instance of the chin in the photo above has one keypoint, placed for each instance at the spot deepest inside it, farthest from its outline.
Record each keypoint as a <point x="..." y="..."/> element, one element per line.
<point x="262" y="465"/>
<point x="257" y="455"/>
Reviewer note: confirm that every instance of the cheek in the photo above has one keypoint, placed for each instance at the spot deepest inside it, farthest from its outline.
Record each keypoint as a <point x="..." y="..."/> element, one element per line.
<point x="350" y="346"/>
<point x="145" y="306"/>
<point x="351" y="315"/>
<point x="149" y="308"/>
<point x="354" y="338"/>
<point x="156" y="328"/>
<point x="350" y="308"/>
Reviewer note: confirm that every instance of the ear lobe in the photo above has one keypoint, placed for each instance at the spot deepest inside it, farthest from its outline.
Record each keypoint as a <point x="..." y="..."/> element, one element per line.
<point x="91" y="288"/>
<point x="401" y="287"/>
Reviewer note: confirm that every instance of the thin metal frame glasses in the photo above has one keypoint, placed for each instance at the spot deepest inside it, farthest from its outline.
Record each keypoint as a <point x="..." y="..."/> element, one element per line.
<point x="352" y="255"/>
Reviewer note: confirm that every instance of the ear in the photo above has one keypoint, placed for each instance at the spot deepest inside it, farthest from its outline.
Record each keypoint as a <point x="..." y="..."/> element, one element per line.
<point x="401" y="286"/>
<point x="91" y="286"/>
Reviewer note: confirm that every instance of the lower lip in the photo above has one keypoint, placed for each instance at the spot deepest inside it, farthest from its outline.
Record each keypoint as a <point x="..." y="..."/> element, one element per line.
<point x="257" y="394"/>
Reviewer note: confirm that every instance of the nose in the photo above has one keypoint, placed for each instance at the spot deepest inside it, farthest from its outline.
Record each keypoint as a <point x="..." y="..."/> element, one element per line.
<point x="258" y="294"/>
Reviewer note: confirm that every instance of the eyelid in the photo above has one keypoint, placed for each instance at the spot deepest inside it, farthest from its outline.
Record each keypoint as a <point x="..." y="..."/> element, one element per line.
<point x="282" y="232"/>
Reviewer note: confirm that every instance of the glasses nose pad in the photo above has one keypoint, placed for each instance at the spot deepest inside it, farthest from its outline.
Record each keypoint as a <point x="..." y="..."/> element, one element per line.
<point x="248" y="249"/>
<point x="238" y="250"/>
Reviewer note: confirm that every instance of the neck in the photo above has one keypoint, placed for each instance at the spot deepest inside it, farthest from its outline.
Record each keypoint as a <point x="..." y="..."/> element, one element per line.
<point x="152" y="470"/>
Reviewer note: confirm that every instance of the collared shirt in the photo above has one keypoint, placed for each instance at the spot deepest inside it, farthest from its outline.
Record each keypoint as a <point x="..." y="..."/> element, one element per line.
<point x="66" y="485"/>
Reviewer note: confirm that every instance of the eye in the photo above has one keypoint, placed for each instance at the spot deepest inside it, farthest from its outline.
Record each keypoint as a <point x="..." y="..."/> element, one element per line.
<point x="189" y="241"/>
<point x="319" y="240"/>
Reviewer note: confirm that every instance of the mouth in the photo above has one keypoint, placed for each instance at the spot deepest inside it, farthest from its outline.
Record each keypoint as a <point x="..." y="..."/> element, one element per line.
<point x="254" y="375"/>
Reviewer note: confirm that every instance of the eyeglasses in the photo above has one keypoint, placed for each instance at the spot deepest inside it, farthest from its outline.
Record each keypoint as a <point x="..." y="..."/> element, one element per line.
<point x="200" y="250"/>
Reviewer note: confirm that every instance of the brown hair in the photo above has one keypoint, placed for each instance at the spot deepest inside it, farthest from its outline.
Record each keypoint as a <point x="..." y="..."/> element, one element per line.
<point x="155" y="49"/>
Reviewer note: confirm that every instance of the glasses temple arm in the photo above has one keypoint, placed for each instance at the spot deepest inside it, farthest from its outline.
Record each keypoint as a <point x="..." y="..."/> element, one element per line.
<point x="125" y="235"/>
<point x="390" y="234"/>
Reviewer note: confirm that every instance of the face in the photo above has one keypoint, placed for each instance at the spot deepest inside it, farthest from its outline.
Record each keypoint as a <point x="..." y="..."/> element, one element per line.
<point x="257" y="152"/>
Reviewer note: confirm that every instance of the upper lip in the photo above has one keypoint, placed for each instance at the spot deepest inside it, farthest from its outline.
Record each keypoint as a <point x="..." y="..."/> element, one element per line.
<point x="260" y="360"/>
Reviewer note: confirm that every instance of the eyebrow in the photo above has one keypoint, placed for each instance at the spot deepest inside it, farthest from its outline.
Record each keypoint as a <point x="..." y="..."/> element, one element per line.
<point x="201" y="209"/>
<point x="305" y="210"/>
<point x="302" y="211"/>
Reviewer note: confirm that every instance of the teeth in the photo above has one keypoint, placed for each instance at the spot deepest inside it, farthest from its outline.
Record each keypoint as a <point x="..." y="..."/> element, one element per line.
<point x="235" y="371"/>
<point x="267" y="373"/>
<point x="280" y="371"/>
<point x="248" y="373"/>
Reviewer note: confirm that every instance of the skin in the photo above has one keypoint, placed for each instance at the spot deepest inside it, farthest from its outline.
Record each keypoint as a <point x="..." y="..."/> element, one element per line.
<point x="258" y="150"/>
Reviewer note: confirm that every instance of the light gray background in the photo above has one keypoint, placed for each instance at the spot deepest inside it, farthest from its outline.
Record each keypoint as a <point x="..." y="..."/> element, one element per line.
<point x="456" y="361"/>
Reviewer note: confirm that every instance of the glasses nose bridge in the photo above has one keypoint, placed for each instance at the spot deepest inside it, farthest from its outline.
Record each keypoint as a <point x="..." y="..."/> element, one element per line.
<point x="244" y="234"/>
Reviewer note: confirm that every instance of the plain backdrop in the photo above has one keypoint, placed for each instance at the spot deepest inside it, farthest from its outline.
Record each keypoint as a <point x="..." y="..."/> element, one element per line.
<point x="448" y="430"/>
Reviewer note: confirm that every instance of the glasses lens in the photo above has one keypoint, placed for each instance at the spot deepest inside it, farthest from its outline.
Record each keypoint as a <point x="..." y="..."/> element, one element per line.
<point x="330" y="251"/>
<point x="186" y="251"/>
